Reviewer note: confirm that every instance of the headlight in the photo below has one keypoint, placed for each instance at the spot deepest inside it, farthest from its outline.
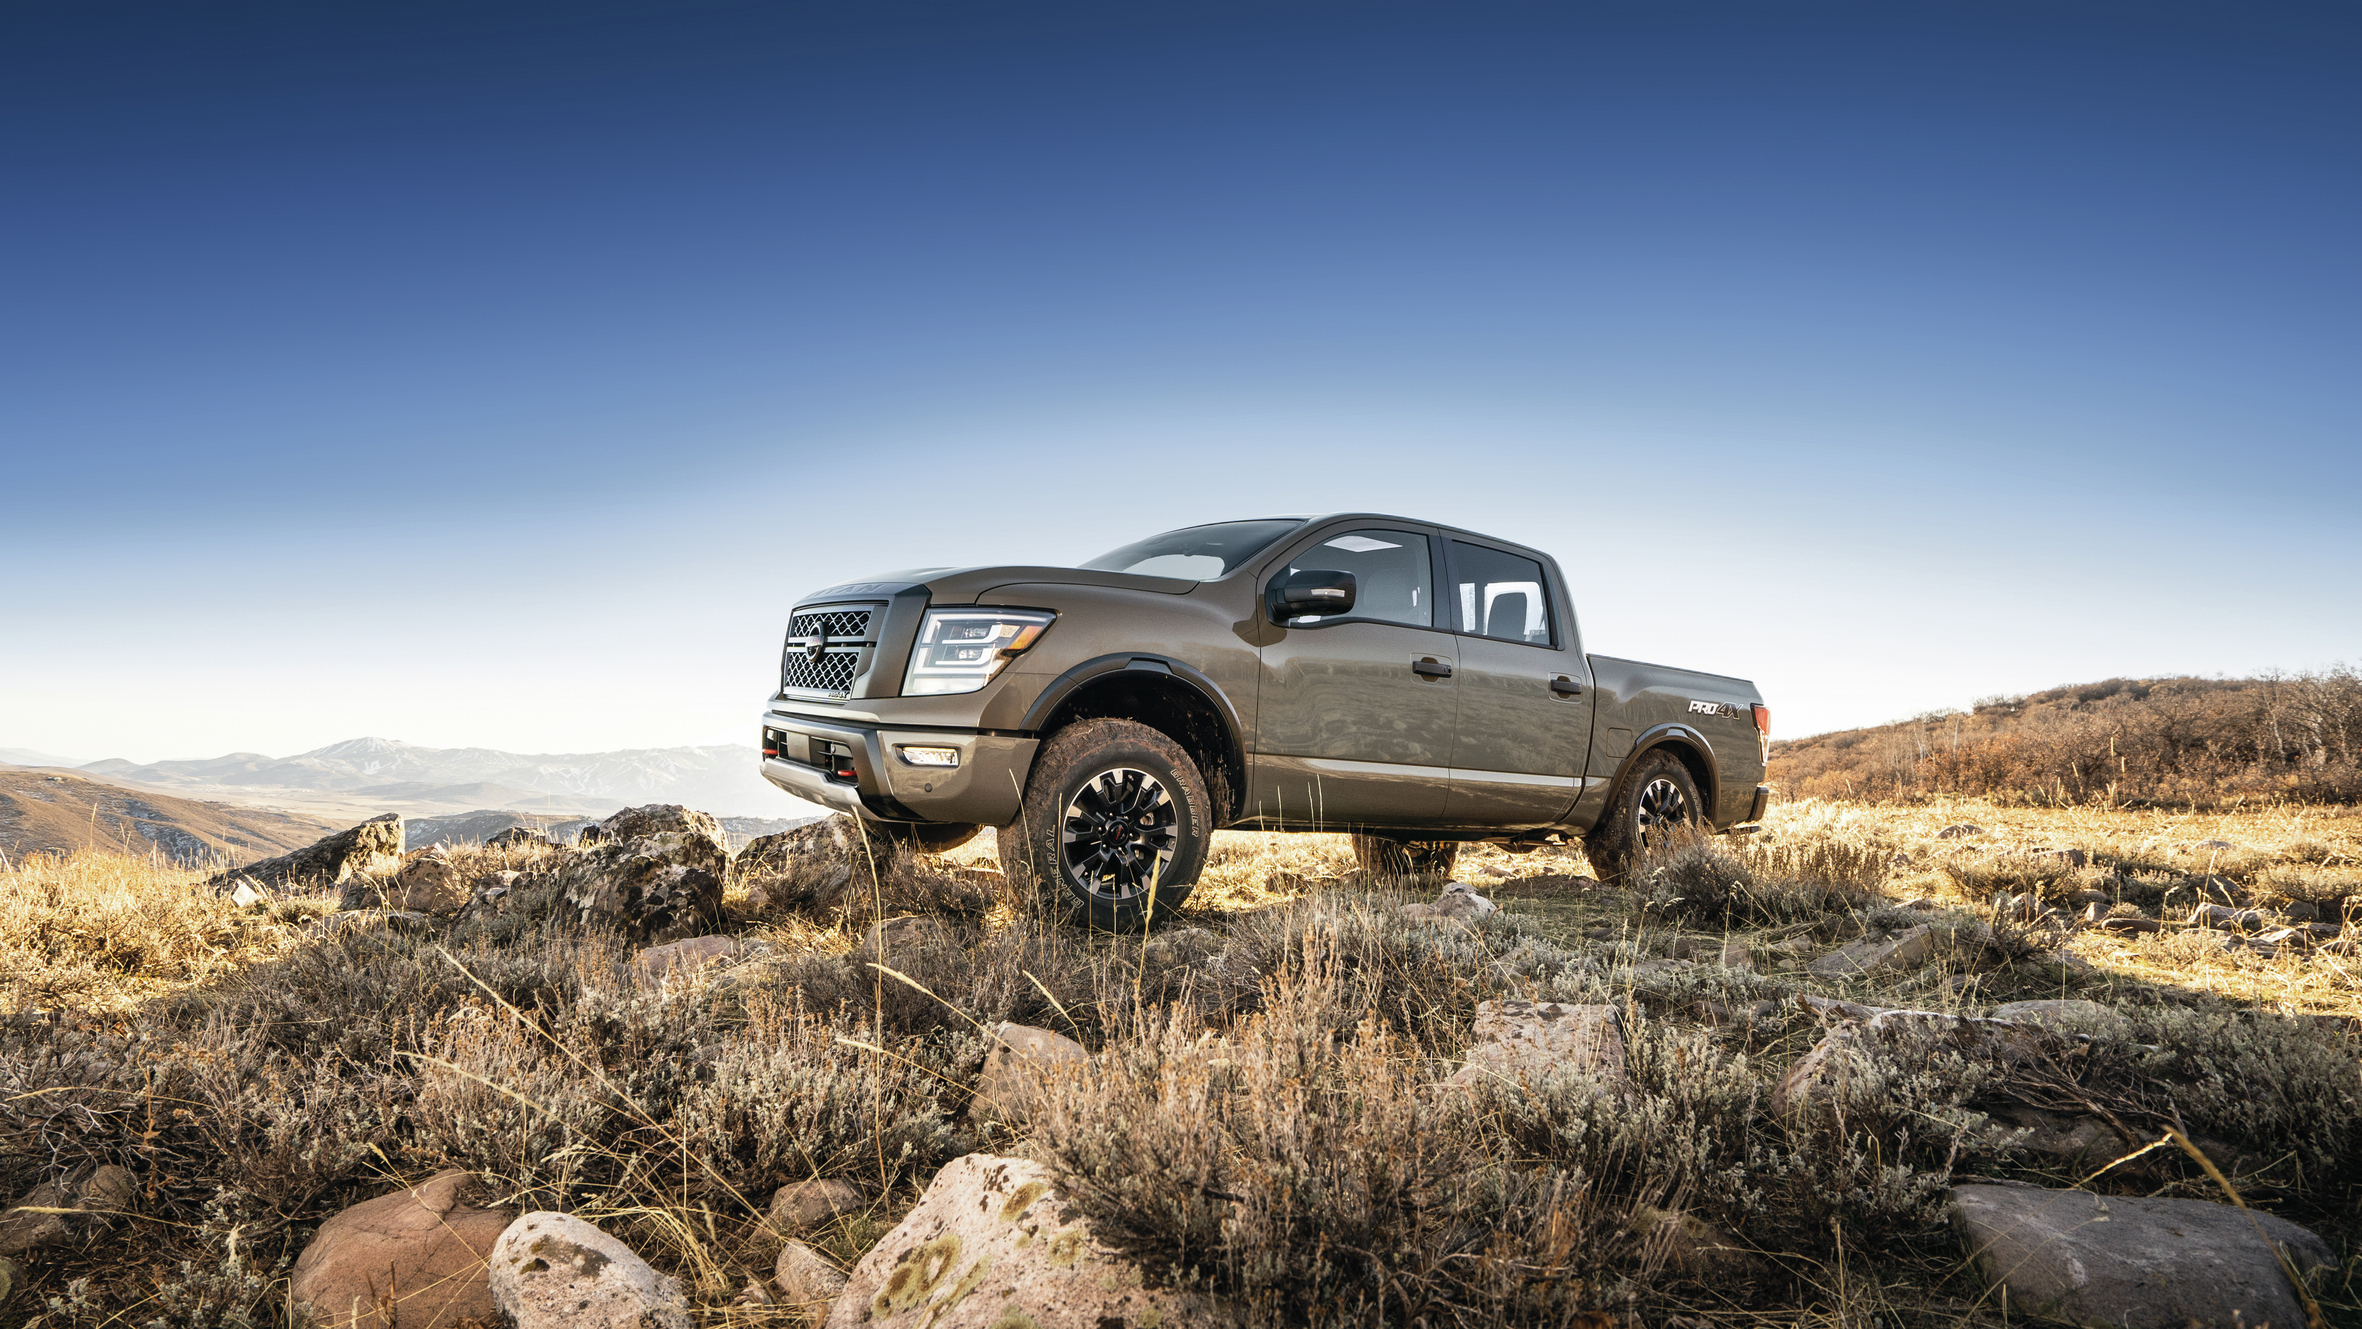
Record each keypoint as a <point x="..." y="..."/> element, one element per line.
<point x="960" y="650"/>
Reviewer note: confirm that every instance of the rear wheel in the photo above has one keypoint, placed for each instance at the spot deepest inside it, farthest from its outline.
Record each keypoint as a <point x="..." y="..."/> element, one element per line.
<point x="1114" y="826"/>
<point x="1656" y="800"/>
<point x="1383" y="856"/>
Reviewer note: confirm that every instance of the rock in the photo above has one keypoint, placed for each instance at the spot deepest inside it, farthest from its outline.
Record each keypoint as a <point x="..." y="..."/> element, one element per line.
<point x="2133" y="1263"/>
<point x="518" y="837"/>
<point x="890" y="937"/>
<point x="2220" y="916"/>
<point x="812" y="864"/>
<point x="806" y="1277"/>
<point x="1496" y="872"/>
<point x="1909" y="950"/>
<point x="2073" y="858"/>
<point x="1959" y="832"/>
<point x="654" y="873"/>
<point x="22" y="1229"/>
<point x="2089" y="897"/>
<point x="2129" y="923"/>
<point x="97" y="1199"/>
<point x="1843" y="1010"/>
<point x="1693" y="1245"/>
<point x="991" y="1246"/>
<point x="2019" y="908"/>
<point x="415" y="1257"/>
<point x="1856" y="1048"/>
<point x="2300" y="911"/>
<point x="1459" y="903"/>
<point x="246" y="896"/>
<point x="2215" y="846"/>
<point x="555" y="1271"/>
<point x="428" y="883"/>
<point x="12" y="1280"/>
<point x="1010" y="1086"/>
<point x="800" y="1206"/>
<point x="1926" y="904"/>
<point x="1523" y="1040"/>
<point x="1793" y="946"/>
<point x="348" y="858"/>
<point x="658" y="963"/>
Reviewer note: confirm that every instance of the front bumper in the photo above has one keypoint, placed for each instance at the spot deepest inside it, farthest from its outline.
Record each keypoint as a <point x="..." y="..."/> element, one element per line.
<point x="985" y="789"/>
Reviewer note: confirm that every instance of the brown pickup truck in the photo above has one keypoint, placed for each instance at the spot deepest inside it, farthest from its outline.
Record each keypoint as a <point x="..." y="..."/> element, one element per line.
<point x="1415" y="686"/>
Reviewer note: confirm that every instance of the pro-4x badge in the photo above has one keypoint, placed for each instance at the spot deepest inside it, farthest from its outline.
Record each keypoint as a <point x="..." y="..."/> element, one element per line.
<point x="1708" y="708"/>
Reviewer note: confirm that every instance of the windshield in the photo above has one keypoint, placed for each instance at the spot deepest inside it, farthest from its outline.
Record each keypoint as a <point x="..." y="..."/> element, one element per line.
<point x="1196" y="553"/>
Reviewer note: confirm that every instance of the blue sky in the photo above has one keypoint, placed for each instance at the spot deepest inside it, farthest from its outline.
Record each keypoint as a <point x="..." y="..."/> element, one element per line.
<point x="499" y="374"/>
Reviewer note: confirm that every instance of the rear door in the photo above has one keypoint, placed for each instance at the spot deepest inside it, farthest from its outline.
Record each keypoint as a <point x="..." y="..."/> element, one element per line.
<point x="1355" y="713"/>
<point x="1524" y="709"/>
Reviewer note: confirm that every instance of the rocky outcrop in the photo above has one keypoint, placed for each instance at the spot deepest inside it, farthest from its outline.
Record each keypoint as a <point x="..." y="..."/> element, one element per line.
<point x="517" y="837"/>
<point x="2133" y="1263"/>
<point x="351" y="858"/>
<point x="1523" y="1041"/>
<point x="428" y="883"/>
<point x="555" y="1271"/>
<point x="1022" y="1056"/>
<point x="653" y="873"/>
<point x="831" y="867"/>
<point x="991" y="1244"/>
<point x="417" y="1257"/>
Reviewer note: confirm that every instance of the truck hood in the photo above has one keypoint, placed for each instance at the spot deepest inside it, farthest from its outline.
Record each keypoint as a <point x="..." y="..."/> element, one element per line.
<point x="966" y="586"/>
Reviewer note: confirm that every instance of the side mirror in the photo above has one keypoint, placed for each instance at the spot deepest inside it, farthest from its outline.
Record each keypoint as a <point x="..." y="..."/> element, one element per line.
<point x="1312" y="591"/>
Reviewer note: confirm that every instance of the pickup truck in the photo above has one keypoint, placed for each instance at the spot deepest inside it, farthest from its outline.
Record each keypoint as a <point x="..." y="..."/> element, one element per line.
<point x="1415" y="686"/>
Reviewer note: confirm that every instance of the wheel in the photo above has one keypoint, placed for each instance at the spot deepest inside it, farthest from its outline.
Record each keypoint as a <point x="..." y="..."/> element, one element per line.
<point x="927" y="837"/>
<point x="1381" y="856"/>
<point x="1114" y="826"/>
<point x="1657" y="797"/>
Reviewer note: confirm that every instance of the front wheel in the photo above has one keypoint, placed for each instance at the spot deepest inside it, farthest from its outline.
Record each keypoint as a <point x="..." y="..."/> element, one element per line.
<point x="1114" y="826"/>
<point x="1383" y="857"/>
<point x="1656" y="802"/>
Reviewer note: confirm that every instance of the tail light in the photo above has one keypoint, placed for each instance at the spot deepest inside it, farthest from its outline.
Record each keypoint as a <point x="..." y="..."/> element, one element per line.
<point x="1763" y="720"/>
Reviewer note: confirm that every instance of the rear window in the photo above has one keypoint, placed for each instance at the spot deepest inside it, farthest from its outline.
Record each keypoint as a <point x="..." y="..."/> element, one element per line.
<point x="1195" y="553"/>
<point x="1501" y="595"/>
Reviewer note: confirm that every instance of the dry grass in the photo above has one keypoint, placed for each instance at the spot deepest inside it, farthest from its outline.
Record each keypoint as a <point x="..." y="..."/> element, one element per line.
<point x="1259" y="1118"/>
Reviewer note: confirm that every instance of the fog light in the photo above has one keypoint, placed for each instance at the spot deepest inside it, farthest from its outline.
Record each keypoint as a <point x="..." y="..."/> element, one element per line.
<point x="930" y="756"/>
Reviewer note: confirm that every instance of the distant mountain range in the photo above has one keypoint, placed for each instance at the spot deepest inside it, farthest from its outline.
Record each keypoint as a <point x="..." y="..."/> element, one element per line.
<point x="49" y="811"/>
<point x="387" y="775"/>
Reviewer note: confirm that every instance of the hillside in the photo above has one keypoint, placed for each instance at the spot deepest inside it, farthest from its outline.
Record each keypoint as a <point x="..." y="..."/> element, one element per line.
<point x="362" y="776"/>
<point x="2193" y="742"/>
<point x="50" y="811"/>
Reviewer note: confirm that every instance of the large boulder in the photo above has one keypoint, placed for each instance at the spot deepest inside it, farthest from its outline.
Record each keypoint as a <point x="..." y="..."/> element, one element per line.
<point x="1526" y="1040"/>
<point x="428" y="883"/>
<point x="2127" y="1263"/>
<point x="351" y="858"/>
<point x="555" y="1271"/>
<point x="991" y="1244"/>
<point x="653" y="873"/>
<point x="416" y="1257"/>
<point x="837" y="866"/>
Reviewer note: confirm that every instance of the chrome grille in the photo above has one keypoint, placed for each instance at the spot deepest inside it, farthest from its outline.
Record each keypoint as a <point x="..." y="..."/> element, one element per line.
<point x="826" y="651"/>
<point x="830" y="623"/>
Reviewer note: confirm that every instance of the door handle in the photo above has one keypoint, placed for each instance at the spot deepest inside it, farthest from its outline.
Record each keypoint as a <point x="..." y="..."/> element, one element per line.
<point x="1567" y="687"/>
<point x="1432" y="668"/>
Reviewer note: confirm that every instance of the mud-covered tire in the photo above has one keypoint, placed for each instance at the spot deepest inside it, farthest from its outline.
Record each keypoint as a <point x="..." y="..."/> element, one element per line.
<point x="1658" y="793"/>
<point x="1106" y="798"/>
<point x="1382" y="856"/>
<point x="928" y="837"/>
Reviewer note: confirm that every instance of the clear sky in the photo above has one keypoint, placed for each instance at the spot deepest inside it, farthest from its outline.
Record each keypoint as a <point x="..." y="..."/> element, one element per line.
<point x="491" y="374"/>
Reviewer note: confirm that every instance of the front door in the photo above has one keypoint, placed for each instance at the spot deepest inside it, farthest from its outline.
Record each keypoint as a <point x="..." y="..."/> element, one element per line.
<point x="1354" y="713"/>
<point x="1525" y="710"/>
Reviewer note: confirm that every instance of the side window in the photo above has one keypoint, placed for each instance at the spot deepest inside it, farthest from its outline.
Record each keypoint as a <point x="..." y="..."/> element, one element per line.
<point x="1392" y="571"/>
<point x="1501" y="595"/>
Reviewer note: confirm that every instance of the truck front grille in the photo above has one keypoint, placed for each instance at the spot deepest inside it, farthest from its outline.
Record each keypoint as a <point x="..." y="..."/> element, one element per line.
<point x="827" y="649"/>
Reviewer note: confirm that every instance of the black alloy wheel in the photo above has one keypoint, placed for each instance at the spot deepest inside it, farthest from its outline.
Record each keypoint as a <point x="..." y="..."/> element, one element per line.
<point x="1118" y="836"/>
<point x="1663" y="806"/>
